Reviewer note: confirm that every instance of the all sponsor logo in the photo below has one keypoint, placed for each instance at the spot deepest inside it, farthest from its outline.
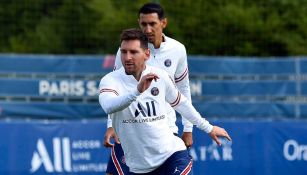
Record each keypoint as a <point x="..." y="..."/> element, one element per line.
<point x="66" y="156"/>
<point x="146" y="111"/>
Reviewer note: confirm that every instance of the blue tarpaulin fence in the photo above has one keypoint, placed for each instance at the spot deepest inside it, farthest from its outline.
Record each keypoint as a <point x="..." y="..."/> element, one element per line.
<point x="226" y="87"/>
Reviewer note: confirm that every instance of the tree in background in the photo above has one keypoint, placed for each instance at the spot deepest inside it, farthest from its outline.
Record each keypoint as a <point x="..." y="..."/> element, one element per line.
<point x="52" y="26"/>
<point x="206" y="27"/>
<point x="240" y="27"/>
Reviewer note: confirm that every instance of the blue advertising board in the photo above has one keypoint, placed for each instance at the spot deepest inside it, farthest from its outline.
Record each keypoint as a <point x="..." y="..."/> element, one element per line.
<point x="220" y="86"/>
<point x="75" y="147"/>
<point x="52" y="147"/>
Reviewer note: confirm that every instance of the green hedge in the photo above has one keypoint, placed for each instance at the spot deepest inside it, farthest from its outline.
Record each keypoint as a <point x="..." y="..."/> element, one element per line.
<point x="206" y="27"/>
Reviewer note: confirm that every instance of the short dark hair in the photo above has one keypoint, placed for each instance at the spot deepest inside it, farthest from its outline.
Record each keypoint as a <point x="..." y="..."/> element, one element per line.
<point x="152" y="8"/>
<point x="135" y="34"/>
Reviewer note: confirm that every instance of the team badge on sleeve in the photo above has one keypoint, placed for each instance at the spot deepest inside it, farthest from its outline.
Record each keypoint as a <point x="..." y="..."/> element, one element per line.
<point x="167" y="62"/>
<point x="154" y="91"/>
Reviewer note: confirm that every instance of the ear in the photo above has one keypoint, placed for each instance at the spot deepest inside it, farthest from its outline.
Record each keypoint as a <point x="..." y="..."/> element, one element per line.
<point x="147" y="53"/>
<point x="164" y="22"/>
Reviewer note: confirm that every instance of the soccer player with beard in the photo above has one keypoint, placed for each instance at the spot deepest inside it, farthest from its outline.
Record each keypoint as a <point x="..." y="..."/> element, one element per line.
<point x="135" y="97"/>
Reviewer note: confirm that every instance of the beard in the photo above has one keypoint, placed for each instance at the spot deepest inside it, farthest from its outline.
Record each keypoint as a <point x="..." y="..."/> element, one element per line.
<point x="129" y="69"/>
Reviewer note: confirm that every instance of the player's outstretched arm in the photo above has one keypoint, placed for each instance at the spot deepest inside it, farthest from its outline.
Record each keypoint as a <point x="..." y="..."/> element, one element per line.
<point x="182" y="82"/>
<point x="186" y="109"/>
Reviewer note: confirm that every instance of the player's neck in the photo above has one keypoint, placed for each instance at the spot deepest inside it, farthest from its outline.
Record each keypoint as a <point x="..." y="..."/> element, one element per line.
<point x="158" y="42"/>
<point x="137" y="75"/>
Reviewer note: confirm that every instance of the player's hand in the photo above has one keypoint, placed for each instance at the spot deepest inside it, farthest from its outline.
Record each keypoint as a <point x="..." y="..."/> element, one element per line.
<point x="146" y="81"/>
<point x="110" y="133"/>
<point x="219" y="132"/>
<point x="187" y="138"/>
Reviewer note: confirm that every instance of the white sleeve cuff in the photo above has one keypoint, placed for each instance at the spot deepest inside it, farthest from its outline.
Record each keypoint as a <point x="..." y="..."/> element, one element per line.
<point x="188" y="128"/>
<point x="109" y="122"/>
<point x="209" y="128"/>
<point x="205" y="126"/>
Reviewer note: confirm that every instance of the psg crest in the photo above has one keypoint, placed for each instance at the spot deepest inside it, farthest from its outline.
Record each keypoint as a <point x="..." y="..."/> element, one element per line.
<point x="154" y="91"/>
<point x="167" y="62"/>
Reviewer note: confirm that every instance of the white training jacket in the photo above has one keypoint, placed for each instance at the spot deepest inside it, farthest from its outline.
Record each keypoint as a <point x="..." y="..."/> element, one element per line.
<point x="171" y="57"/>
<point x="140" y="120"/>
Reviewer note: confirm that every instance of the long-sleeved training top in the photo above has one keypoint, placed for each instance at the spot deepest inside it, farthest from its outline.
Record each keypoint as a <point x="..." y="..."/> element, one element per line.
<point x="140" y="119"/>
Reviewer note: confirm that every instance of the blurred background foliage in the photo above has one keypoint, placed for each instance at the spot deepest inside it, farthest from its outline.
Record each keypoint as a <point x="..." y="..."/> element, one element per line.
<point x="206" y="27"/>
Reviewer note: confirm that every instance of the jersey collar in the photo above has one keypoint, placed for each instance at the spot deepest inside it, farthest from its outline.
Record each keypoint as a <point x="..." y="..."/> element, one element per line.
<point x="165" y="39"/>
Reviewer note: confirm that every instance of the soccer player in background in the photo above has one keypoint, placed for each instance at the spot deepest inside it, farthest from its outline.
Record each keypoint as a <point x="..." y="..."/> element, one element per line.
<point x="135" y="96"/>
<point x="167" y="54"/>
